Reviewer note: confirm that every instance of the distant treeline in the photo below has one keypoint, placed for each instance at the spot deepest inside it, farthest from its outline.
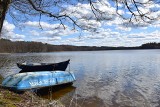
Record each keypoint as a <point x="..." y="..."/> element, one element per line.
<point x="151" y="46"/>
<point x="7" y="46"/>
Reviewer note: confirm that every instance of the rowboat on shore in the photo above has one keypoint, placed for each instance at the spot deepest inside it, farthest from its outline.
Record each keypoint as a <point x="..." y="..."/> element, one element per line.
<point x="37" y="80"/>
<point x="33" y="67"/>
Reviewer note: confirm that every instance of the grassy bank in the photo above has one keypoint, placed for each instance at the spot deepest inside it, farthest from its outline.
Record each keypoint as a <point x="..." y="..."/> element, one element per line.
<point x="27" y="99"/>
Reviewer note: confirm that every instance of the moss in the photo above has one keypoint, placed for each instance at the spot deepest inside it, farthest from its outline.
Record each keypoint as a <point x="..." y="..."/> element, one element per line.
<point x="2" y="103"/>
<point x="6" y="103"/>
<point x="8" y="99"/>
<point x="11" y="96"/>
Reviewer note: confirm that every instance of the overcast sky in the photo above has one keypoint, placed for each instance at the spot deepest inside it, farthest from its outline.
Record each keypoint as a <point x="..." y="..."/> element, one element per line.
<point x="109" y="33"/>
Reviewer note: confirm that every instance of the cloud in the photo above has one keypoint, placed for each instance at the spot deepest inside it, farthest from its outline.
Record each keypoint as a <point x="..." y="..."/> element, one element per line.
<point x="34" y="33"/>
<point x="46" y="39"/>
<point x="96" y="37"/>
<point x="90" y="24"/>
<point x="86" y="17"/>
<point x="44" y="25"/>
<point x="8" y="27"/>
<point x="8" y="32"/>
<point x="48" y="30"/>
<point x="136" y="36"/>
<point x="108" y="37"/>
<point x="102" y="36"/>
<point x="57" y="32"/>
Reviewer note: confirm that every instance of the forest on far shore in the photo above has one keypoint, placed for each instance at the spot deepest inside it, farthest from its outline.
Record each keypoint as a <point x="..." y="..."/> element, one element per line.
<point x="7" y="46"/>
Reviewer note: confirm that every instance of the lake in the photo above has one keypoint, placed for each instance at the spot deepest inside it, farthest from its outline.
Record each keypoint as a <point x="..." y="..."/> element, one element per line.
<point x="115" y="78"/>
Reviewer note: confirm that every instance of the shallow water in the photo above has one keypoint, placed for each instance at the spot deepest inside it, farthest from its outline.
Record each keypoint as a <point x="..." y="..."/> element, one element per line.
<point x="116" y="78"/>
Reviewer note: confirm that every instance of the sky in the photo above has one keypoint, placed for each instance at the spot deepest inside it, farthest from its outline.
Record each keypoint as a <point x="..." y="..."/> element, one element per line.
<point x="108" y="32"/>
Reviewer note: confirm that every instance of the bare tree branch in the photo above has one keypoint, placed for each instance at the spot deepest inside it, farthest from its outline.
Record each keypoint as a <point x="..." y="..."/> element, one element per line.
<point x="57" y="10"/>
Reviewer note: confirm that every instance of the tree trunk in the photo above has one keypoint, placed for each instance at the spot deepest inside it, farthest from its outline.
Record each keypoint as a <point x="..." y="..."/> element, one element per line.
<point x="4" y="4"/>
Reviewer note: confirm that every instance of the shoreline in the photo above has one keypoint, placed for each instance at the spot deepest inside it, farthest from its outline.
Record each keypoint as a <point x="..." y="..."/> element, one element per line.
<point x="6" y="53"/>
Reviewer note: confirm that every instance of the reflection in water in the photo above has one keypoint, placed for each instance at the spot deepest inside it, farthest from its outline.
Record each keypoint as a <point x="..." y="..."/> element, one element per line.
<point x="55" y="92"/>
<point x="104" y="78"/>
<point x="64" y="93"/>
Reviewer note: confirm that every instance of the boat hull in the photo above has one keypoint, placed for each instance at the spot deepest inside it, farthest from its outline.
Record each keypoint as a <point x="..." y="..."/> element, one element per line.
<point x="31" y="80"/>
<point x="43" y="66"/>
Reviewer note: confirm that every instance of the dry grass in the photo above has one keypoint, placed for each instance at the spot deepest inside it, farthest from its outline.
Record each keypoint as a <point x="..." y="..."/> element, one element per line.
<point x="27" y="99"/>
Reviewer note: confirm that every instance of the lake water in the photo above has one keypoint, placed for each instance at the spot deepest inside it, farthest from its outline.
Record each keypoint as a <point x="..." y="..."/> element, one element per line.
<point x="119" y="78"/>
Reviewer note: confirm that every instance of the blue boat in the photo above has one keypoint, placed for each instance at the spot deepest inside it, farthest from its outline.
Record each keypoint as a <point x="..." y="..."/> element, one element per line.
<point x="32" y="80"/>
